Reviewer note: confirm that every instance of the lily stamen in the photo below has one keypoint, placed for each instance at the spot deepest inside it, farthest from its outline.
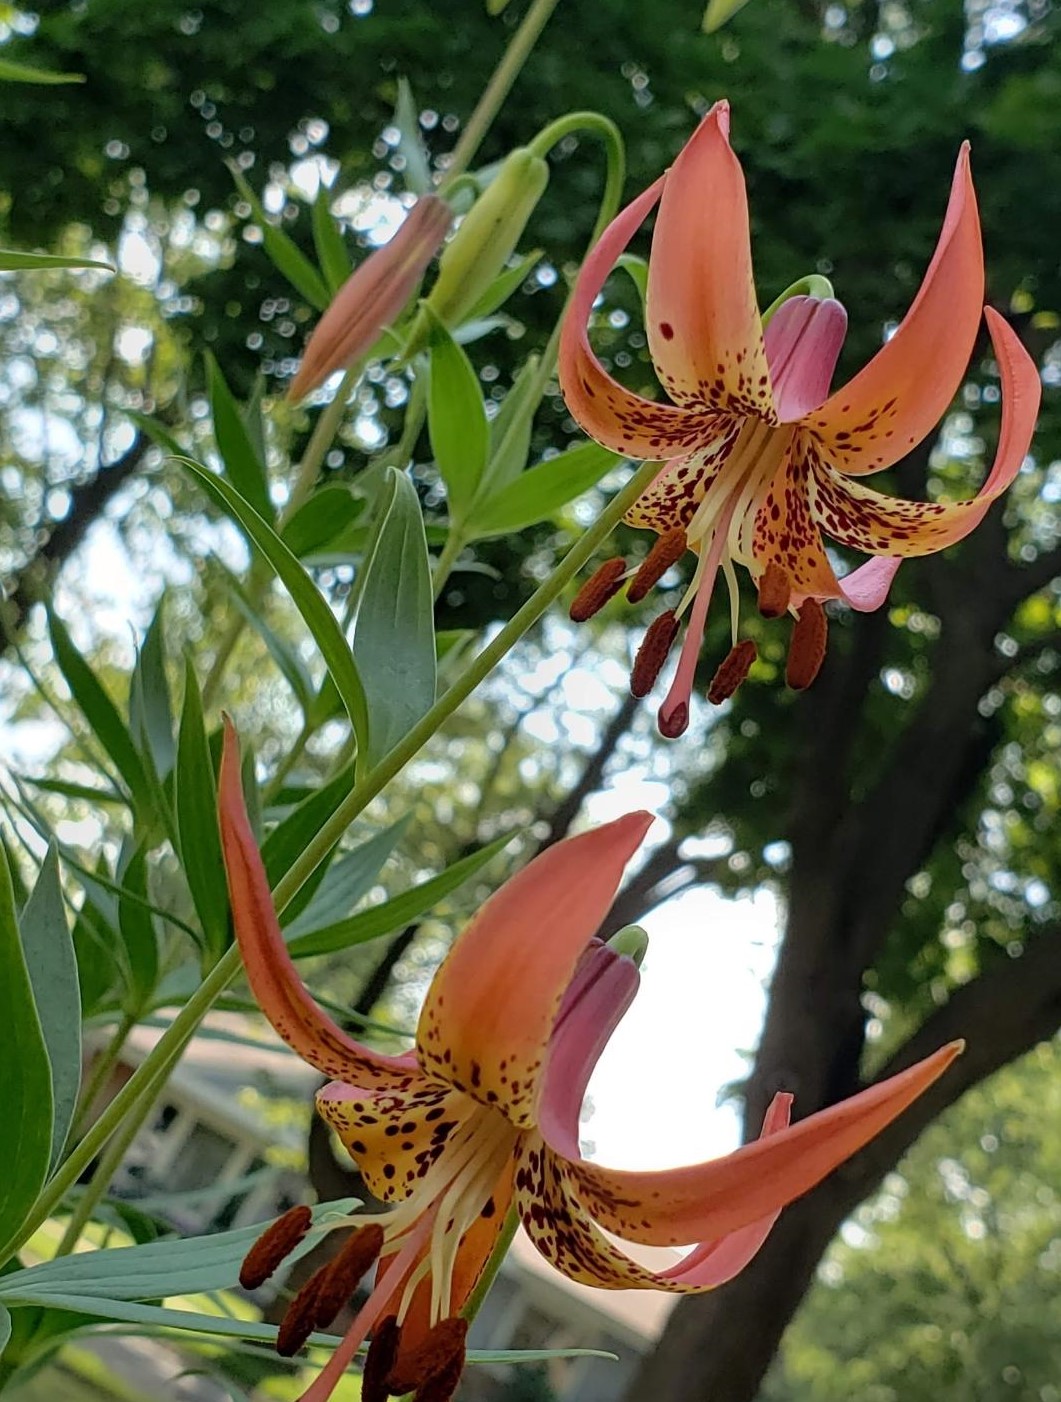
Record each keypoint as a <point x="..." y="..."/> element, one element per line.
<point x="667" y="551"/>
<point x="653" y="652"/>
<point x="775" y="591"/>
<point x="732" y="672"/>
<point x="603" y="584"/>
<point x="274" y="1246"/>
<point x="806" y="651"/>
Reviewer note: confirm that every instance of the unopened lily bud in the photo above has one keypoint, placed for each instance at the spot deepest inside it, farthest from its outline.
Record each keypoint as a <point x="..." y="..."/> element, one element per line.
<point x="488" y="235"/>
<point x="718" y="12"/>
<point x="632" y="941"/>
<point x="373" y="295"/>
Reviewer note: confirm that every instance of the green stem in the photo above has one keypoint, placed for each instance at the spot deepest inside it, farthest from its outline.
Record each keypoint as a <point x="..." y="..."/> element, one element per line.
<point x="495" y="92"/>
<point x="101" y="1180"/>
<point x="494" y="1262"/>
<point x="447" y="559"/>
<point x="133" y="1102"/>
<point x="604" y="128"/>
<point x="101" y="1068"/>
<point x="364" y="792"/>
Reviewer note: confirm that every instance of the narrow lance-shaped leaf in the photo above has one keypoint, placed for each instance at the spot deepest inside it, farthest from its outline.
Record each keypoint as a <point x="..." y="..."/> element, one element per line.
<point x="348" y="879"/>
<point x="456" y="420"/>
<point x="328" y="241"/>
<point x="399" y="910"/>
<point x="150" y="709"/>
<point x="48" y="950"/>
<point x="543" y="490"/>
<point x="25" y="1079"/>
<point x="394" y="636"/>
<point x="245" y="469"/>
<point x="285" y="254"/>
<point x="510" y="433"/>
<point x="196" y="800"/>
<point x="417" y="173"/>
<point x="137" y="927"/>
<point x="318" y="617"/>
<point x="100" y="712"/>
<point x="321" y="519"/>
<point x="13" y="261"/>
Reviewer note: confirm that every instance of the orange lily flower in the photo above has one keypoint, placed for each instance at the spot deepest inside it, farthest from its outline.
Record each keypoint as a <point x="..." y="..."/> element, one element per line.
<point x="372" y="296"/>
<point x="484" y="1112"/>
<point x="760" y="459"/>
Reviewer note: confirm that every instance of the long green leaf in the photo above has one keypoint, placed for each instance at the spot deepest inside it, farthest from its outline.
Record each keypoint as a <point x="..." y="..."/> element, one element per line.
<point x="25" y="1078"/>
<point x="150" y="708"/>
<point x="5" y="1328"/>
<point x="542" y="491"/>
<point x="289" y="838"/>
<point x="456" y="420"/>
<point x="137" y="927"/>
<point x="348" y="880"/>
<point x="321" y="519"/>
<point x="14" y="261"/>
<point x="417" y="173"/>
<point x="100" y="712"/>
<point x="394" y="636"/>
<point x="332" y="253"/>
<point x="196" y="802"/>
<point x="285" y="254"/>
<point x="399" y="910"/>
<point x="48" y="950"/>
<point x="12" y="72"/>
<point x="318" y="617"/>
<point x="154" y="1270"/>
<point x="287" y="658"/>
<point x="510" y="432"/>
<point x="245" y="469"/>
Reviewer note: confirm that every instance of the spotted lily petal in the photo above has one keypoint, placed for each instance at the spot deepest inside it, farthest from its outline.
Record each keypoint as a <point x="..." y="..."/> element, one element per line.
<point x="683" y="483"/>
<point x="902" y="393"/>
<point x="702" y="317"/>
<point x="622" y="421"/>
<point x="490" y="1010"/>
<point x="785" y="532"/>
<point x="561" y="1226"/>
<point x="273" y="978"/>
<point x="710" y="1200"/>
<point x="867" y="520"/>
<point x="803" y="341"/>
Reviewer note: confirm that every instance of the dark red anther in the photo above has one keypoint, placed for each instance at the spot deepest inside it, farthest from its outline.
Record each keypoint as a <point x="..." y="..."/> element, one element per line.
<point x="675" y="723"/>
<point x="301" y="1318"/>
<point x="346" y="1272"/>
<point x="652" y="653"/>
<point x="379" y="1360"/>
<point x="734" y="668"/>
<point x="602" y="585"/>
<point x="437" y="1352"/>
<point x="667" y="551"/>
<point x="274" y="1246"/>
<point x="775" y="591"/>
<point x="806" y="651"/>
<point x="443" y="1384"/>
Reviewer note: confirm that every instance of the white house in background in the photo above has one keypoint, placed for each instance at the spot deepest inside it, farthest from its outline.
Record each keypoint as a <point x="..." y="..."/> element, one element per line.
<point x="213" y="1130"/>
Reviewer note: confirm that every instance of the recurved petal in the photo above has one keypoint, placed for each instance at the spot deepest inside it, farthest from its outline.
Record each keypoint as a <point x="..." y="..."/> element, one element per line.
<point x="396" y="1137"/>
<point x="622" y="421"/>
<point x="785" y="532"/>
<point x="702" y="317"/>
<point x="491" y="1007"/>
<point x="866" y="588"/>
<point x="562" y="1228"/>
<point x="867" y="520"/>
<point x="683" y="483"/>
<point x="711" y="1200"/>
<point x="273" y="978"/>
<point x="894" y="401"/>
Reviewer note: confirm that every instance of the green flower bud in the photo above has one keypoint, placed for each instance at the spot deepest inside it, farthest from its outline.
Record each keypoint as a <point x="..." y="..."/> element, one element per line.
<point x="632" y="941"/>
<point x="488" y="235"/>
